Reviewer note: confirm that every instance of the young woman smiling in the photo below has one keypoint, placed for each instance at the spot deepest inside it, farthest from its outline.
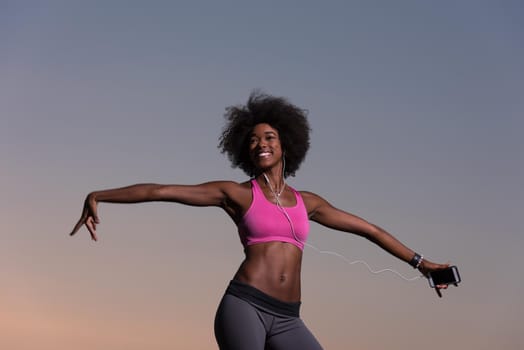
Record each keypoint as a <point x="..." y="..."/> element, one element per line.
<point x="268" y="139"/>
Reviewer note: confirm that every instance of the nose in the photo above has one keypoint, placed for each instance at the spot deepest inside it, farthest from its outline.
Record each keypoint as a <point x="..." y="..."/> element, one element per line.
<point x="259" y="144"/>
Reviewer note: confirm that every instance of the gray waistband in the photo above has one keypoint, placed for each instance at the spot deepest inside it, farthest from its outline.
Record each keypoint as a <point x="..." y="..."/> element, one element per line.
<point x="252" y="294"/>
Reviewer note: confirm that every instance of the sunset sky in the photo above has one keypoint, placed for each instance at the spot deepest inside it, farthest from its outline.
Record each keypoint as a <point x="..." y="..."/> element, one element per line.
<point x="416" y="109"/>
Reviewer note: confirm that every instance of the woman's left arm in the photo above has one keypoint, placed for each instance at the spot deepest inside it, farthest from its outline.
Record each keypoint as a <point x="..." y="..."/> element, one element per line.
<point x="322" y="212"/>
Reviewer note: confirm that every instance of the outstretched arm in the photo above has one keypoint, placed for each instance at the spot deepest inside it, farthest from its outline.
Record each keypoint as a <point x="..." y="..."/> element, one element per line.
<point x="324" y="213"/>
<point x="207" y="194"/>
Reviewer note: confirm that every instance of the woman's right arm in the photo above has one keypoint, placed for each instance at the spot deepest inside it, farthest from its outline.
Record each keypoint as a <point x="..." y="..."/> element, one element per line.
<point x="207" y="194"/>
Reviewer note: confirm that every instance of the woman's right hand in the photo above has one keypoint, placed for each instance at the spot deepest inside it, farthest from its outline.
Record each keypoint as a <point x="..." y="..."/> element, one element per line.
<point x="89" y="217"/>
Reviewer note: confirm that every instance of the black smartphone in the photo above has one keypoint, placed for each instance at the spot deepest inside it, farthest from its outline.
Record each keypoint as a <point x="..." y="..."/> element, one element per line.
<point x="449" y="275"/>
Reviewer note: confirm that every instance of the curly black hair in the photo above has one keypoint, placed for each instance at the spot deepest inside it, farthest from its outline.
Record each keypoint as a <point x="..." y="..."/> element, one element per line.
<point x="289" y="120"/>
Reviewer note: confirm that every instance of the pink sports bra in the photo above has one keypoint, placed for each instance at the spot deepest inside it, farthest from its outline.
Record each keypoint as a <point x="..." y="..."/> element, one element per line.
<point x="266" y="222"/>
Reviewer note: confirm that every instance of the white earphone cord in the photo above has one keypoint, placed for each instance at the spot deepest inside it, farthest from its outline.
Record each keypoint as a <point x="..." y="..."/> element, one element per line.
<point x="340" y="256"/>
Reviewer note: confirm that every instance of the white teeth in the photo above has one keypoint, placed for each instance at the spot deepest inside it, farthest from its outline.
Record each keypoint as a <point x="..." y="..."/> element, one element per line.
<point x="264" y="154"/>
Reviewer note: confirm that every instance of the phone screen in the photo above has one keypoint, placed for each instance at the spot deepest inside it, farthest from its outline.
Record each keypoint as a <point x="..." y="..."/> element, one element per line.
<point x="446" y="276"/>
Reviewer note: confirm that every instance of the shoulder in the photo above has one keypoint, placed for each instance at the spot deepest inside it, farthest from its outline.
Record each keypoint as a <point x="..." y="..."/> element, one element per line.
<point x="312" y="201"/>
<point x="310" y="196"/>
<point x="235" y="191"/>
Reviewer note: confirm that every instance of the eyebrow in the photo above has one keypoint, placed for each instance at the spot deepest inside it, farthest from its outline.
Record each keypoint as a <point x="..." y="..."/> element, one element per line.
<point x="265" y="133"/>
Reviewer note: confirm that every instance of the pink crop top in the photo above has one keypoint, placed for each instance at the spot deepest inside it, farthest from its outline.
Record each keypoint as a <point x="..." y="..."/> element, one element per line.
<point x="265" y="222"/>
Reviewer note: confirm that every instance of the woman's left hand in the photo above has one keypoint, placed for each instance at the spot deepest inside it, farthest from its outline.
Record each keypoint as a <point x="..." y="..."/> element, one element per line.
<point x="427" y="266"/>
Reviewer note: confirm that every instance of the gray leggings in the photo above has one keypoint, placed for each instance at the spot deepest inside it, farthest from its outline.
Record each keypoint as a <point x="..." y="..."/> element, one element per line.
<point x="243" y="325"/>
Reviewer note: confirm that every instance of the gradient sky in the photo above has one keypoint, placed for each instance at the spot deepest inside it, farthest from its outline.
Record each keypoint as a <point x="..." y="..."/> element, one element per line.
<point x="417" y="114"/>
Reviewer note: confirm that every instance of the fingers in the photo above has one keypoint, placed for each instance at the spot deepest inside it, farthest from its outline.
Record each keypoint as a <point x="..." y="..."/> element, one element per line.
<point x="77" y="226"/>
<point x="91" y="227"/>
<point x="439" y="287"/>
<point x="89" y="218"/>
<point x="94" y="214"/>
<point x="92" y="208"/>
<point x="81" y="221"/>
<point x="90" y="223"/>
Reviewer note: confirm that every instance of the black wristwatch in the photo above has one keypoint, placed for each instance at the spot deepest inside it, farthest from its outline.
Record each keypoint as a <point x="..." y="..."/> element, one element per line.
<point x="416" y="260"/>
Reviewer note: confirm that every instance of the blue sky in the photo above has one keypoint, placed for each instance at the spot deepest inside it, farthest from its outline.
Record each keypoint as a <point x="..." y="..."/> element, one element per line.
<point x="416" y="110"/>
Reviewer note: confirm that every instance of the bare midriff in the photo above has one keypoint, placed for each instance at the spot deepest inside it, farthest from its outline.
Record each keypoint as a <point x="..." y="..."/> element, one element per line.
<point x="273" y="268"/>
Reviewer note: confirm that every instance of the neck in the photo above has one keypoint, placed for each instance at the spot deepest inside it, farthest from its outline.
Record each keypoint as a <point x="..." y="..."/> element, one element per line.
<point x="275" y="182"/>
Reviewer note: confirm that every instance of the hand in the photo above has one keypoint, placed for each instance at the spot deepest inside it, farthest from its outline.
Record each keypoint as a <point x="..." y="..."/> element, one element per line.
<point x="89" y="217"/>
<point x="427" y="266"/>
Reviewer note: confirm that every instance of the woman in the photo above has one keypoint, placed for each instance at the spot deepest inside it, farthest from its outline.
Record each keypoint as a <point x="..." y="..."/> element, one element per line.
<point x="268" y="139"/>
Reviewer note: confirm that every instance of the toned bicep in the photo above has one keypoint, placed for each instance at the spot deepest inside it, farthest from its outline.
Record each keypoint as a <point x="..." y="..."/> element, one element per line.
<point x="322" y="212"/>
<point x="206" y="194"/>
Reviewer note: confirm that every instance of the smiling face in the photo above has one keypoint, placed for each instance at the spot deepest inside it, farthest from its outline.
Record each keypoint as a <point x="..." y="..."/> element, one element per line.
<point x="265" y="149"/>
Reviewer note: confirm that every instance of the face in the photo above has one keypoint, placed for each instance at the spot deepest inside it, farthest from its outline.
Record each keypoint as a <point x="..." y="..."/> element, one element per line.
<point x="265" y="149"/>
